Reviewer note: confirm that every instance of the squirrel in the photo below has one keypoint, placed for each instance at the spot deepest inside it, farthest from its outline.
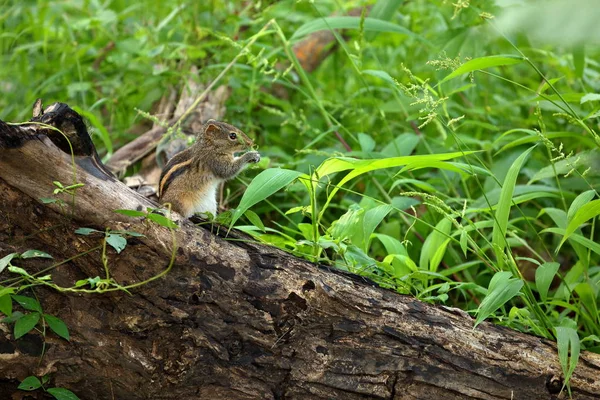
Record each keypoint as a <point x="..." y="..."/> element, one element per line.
<point x="190" y="179"/>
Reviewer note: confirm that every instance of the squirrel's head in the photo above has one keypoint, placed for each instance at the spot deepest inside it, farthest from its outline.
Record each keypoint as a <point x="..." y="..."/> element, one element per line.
<point x="223" y="136"/>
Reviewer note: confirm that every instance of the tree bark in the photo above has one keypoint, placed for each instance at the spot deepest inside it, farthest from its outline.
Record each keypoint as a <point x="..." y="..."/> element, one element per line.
<point x="232" y="319"/>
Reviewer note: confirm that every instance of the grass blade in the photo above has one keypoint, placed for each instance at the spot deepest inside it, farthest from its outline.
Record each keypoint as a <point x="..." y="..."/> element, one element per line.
<point x="505" y="204"/>
<point x="359" y="167"/>
<point x="585" y="213"/>
<point x="483" y="63"/>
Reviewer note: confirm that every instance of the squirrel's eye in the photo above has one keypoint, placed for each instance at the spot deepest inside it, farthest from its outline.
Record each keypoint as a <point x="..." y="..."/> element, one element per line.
<point x="232" y="136"/>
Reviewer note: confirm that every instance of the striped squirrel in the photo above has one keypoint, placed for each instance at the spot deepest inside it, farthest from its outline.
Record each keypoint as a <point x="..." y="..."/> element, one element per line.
<point x="190" y="179"/>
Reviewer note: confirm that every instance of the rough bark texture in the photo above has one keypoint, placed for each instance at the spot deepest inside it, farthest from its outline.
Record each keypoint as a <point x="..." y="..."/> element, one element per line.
<point x="232" y="319"/>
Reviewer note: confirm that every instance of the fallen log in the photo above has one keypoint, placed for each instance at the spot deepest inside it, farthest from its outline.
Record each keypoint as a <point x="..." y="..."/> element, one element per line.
<point x="231" y="319"/>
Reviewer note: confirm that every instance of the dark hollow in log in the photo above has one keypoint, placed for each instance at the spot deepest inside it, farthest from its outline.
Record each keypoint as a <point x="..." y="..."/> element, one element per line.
<point x="232" y="319"/>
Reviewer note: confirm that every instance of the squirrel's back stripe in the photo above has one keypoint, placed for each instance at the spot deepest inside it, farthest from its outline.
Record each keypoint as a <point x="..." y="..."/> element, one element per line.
<point x="172" y="170"/>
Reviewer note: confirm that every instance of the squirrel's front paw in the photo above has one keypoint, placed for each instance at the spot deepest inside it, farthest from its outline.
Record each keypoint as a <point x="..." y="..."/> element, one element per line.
<point x="253" y="157"/>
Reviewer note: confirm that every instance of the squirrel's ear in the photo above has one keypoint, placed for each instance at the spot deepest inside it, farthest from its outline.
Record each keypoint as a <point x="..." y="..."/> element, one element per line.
<point x="211" y="127"/>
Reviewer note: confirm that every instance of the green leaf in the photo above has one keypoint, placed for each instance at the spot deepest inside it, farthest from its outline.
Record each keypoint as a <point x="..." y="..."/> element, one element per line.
<point x="367" y="143"/>
<point x="6" y="305"/>
<point x="30" y="383"/>
<point x="57" y="325"/>
<point x="403" y="145"/>
<point x="590" y="244"/>
<point x="91" y="281"/>
<point x="391" y="244"/>
<point x="348" y="226"/>
<point x="544" y="275"/>
<point x="26" y="323"/>
<point x="116" y="241"/>
<point x="296" y="209"/>
<point x="358" y="167"/>
<point x="384" y="10"/>
<point x="7" y="290"/>
<point x="81" y="282"/>
<point x="434" y="246"/>
<point x="356" y="258"/>
<point x="62" y="394"/>
<point x="586" y="212"/>
<point x="372" y="219"/>
<point x="502" y="288"/>
<point x="18" y="270"/>
<point x="579" y="201"/>
<point x="568" y="345"/>
<point x="131" y="213"/>
<point x="86" y="231"/>
<point x="34" y="254"/>
<point x="588" y="299"/>
<point x="254" y="219"/>
<point x="533" y="137"/>
<point x="505" y="204"/>
<point x="464" y="238"/>
<point x="4" y="261"/>
<point x="27" y="303"/>
<point x="370" y="25"/>
<point x="402" y="265"/>
<point x="162" y="220"/>
<point x="483" y="63"/>
<point x="262" y="186"/>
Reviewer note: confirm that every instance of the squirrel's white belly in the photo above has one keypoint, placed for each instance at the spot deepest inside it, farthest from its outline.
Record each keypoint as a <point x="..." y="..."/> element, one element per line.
<point x="206" y="200"/>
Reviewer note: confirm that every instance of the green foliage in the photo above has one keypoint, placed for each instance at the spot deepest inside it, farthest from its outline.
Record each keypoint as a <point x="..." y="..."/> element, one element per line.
<point x="502" y="288"/>
<point x="481" y="64"/>
<point x="33" y="383"/>
<point x="504" y="205"/>
<point x="24" y="323"/>
<point x="57" y="326"/>
<point x="432" y="152"/>
<point x="150" y="214"/>
<point x="30" y="383"/>
<point x="568" y="350"/>
<point x="265" y="184"/>
<point x="62" y="394"/>
<point x="544" y="275"/>
<point x="369" y="25"/>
